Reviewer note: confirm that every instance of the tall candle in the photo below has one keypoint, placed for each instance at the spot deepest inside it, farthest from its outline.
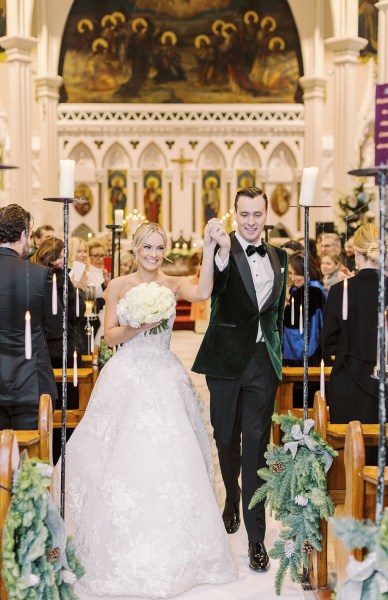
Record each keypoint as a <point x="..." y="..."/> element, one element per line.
<point x="345" y="301"/>
<point x="292" y="311"/>
<point x="75" y="369"/>
<point x="322" y="382"/>
<point x="119" y="217"/>
<point x="300" y="319"/>
<point x="66" y="178"/>
<point x="92" y="342"/>
<point x="54" y="298"/>
<point x="307" y="188"/>
<point x="89" y="308"/>
<point x="77" y="302"/>
<point x="27" y="336"/>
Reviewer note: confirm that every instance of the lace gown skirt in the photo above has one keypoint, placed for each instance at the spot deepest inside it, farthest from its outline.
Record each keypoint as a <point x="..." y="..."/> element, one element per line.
<point x="139" y="499"/>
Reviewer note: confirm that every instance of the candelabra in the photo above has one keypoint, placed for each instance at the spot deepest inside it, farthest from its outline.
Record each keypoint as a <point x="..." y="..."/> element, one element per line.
<point x="133" y="220"/>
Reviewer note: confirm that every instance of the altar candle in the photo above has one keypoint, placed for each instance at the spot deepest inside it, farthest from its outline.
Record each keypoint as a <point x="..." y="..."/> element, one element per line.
<point x="345" y="301"/>
<point x="292" y="311"/>
<point x="92" y="342"/>
<point x="89" y="307"/>
<point x="300" y="319"/>
<point x="54" y="298"/>
<point x="75" y="371"/>
<point x="119" y="217"/>
<point x="307" y="188"/>
<point x="27" y="336"/>
<point x="322" y="385"/>
<point x="66" y="178"/>
<point x="77" y="302"/>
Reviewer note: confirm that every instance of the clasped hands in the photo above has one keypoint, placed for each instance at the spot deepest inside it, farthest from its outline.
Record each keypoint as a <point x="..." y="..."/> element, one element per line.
<point x="215" y="234"/>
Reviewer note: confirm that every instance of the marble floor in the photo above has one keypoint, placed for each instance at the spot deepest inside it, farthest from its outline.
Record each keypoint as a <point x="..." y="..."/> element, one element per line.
<point x="249" y="584"/>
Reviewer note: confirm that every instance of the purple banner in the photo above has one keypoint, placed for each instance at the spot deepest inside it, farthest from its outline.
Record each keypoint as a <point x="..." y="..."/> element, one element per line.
<point x="381" y="125"/>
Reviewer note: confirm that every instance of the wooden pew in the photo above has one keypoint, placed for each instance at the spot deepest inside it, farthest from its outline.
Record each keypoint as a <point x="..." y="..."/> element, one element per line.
<point x="91" y="360"/>
<point x="360" y="493"/>
<point x="86" y="380"/>
<point x="284" y="394"/>
<point x="9" y="461"/>
<point x="38" y="442"/>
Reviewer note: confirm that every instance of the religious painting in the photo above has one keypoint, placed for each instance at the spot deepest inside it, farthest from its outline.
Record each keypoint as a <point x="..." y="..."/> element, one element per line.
<point x="211" y="195"/>
<point x="152" y="196"/>
<point x="367" y="27"/>
<point x="280" y="199"/>
<point x="180" y="52"/>
<point x="117" y="192"/>
<point x="83" y="191"/>
<point x="246" y="179"/>
<point x="3" y="26"/>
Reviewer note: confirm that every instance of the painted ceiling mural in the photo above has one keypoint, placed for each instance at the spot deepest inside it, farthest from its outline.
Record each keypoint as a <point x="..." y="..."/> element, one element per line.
<point x="181" y="51"/>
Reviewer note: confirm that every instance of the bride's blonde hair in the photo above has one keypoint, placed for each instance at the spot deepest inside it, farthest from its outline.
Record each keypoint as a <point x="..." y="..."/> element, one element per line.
<point x="144" y="230"/>
<point x="366" y="241"/>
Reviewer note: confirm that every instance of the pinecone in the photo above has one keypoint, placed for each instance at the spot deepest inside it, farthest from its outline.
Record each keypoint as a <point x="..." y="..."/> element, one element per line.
<point x="53" y="554"/>
<point x="277" y="467"/>
<point x="289" y="548"/>
<point x="307" y="547"/>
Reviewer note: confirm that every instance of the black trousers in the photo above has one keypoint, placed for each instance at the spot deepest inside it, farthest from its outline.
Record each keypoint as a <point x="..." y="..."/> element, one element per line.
<point x="241" y="411"/>
<point x="19" y="416"/>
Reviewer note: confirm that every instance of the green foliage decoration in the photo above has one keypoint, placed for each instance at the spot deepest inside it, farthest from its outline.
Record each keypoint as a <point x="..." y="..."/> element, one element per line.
<point x="355" y="210"/>
<point x="105" y="353"/>
<point x="368" y="579"/>
<point x="39" y="562"/>
<point x="295" y="492"/>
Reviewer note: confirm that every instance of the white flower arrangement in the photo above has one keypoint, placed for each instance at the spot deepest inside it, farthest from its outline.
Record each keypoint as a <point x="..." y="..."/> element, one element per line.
<point x="147" y="303"/>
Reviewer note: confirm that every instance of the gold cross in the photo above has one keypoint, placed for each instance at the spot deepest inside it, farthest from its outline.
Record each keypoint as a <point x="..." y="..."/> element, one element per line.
<point x="181" y="162"/>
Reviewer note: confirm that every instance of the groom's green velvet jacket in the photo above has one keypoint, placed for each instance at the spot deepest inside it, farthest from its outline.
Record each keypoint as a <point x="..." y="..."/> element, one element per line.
<point x="230" y="339"/>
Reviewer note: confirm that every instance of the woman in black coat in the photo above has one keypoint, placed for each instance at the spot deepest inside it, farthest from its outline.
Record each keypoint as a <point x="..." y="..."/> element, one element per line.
<point x="353" y="393"/>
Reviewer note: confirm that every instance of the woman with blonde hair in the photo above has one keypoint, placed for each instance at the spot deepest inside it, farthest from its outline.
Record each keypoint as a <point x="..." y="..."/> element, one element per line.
<point x="78" y="252"/>
<point x="140" y="498"/>
<point x="331" y="266"/>
<point x="353" y="393"/>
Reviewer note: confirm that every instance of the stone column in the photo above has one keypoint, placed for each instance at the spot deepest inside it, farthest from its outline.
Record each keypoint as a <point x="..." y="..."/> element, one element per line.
<point x="382" y="43"/>
<point x="346" y="52"/>
<point x="19" y="60"/>
<point x="47" y="93"/>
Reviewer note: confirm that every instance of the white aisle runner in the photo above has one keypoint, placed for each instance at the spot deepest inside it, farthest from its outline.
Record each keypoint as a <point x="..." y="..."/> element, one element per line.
<point x="250" y="585"/>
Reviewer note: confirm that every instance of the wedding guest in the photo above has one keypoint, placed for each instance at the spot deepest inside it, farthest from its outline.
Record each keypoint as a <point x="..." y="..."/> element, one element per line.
<point x="127" y="263"/>
<point x="78" y="251"/>
<point x="350" y="259"/>
<point x="353" y="393"/>
<point x="98" y="276"/>
<point x="42" y="233"/>
<point x="293" y="337"/>
<point x="331" y="270"/>
<point x="140" y="500"/>
<point x="242" y="359"/>
<point x="24" y="286"/>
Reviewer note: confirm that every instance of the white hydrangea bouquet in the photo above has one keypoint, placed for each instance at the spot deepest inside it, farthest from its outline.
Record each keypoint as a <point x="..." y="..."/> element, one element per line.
<point x="147" y="303"/>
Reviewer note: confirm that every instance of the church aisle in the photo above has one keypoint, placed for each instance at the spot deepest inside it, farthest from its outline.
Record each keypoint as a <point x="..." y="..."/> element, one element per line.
<point x="185" y="345"/>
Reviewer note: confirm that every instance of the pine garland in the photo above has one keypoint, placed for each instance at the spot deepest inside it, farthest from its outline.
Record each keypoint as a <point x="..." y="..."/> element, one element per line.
<point x="34" y="568"/>
<point x="295" y="491"/>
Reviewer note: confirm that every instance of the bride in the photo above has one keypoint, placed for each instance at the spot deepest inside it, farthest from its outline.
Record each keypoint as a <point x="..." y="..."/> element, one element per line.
<point x="140" y="502"/>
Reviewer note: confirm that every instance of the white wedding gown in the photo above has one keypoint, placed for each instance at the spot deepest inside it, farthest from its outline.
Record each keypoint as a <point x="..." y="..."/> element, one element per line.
<point x="139" y="496"/>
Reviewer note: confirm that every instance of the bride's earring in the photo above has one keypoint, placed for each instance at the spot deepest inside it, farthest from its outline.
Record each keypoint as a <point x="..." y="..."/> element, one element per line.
<point x="167" y="259"/>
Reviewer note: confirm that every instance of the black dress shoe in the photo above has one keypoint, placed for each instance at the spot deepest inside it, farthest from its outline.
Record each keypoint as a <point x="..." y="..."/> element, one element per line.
<point x="231" y="516"/>
<point x="258" y="557"/>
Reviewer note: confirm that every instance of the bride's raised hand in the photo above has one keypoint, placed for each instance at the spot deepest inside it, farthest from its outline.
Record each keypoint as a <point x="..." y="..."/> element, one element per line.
<point x="219" y="235"/>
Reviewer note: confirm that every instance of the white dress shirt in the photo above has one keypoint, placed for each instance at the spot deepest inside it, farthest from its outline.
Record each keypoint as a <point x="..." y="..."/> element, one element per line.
<point x="262" y="276"/>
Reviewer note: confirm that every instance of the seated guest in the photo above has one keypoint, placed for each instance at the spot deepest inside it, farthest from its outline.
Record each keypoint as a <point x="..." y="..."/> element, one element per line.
<point x="353" y="393"/>
<point x="293" y="339"/>
<point x="24" y="286"/>
<point x="331" y="270"/>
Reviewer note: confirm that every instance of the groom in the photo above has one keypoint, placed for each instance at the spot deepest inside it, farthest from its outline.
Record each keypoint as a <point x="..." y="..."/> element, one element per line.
<point x="241" y="357"/>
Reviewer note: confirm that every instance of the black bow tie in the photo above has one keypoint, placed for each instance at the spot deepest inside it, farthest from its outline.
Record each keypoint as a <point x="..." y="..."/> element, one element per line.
<point x="261" y="250"/>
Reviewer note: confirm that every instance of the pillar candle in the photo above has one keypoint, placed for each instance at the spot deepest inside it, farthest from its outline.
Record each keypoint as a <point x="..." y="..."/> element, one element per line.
<point x="345" y="301"/>
<point x="27" y="336"/>
<point x="300" y="319"/>
<point x="66" y="179"/>
<point x="75" y="371"/>
<point x="119" y="217"/>
<point x="292" y="311"/>
<point x="322" y="384"/>
<point x="307" y="188"/>
<point x="89" y="308"/>
<point x="54" y="299"/>
<point x="77" y="302"/>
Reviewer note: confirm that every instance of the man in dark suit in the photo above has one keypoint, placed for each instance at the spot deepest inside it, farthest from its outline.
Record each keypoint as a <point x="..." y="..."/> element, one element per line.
<point x="24" y="286"/>
<point x="241" y="357"/>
